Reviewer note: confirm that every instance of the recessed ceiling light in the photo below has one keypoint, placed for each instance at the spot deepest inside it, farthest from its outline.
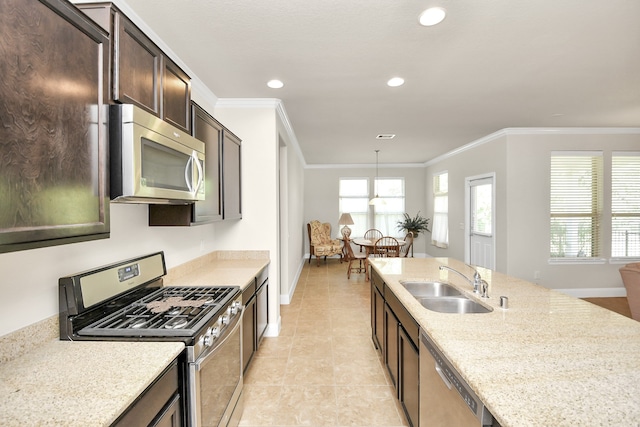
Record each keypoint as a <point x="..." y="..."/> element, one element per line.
<point x="432" y="16"/>
<point x="275" y="84"/>
<point x="395" y="82"/>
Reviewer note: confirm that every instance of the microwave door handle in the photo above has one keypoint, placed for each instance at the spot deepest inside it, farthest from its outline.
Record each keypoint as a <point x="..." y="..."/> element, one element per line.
<point x="200" y="172"/>
<point x="187" y="178"/>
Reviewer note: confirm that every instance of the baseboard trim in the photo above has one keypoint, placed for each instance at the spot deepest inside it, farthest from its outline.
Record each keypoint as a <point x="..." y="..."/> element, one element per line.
<point x="595" y="292"/>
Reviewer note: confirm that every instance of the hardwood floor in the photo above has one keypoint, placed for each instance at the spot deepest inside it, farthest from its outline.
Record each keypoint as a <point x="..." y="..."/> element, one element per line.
<point x="619" y="305"/>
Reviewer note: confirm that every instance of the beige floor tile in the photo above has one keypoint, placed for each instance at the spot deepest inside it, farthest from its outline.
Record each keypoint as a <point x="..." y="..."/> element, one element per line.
<point x="266" y="371"/>
<point x="306" y="371"/>
<point x="367" y="406"/>
<point x="311" y="346"/>
<point x="322" y="370"/>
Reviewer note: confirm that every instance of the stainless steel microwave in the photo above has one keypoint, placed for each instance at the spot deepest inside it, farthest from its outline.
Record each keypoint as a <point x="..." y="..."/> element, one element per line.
<point x="152" y="161"/>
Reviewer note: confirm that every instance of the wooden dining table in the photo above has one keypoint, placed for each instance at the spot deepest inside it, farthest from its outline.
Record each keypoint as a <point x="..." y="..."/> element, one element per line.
<point x="369" y="244"/>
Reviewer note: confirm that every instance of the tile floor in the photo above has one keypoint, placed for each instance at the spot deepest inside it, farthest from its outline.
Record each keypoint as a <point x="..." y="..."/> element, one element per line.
<point x="323" y="369"/>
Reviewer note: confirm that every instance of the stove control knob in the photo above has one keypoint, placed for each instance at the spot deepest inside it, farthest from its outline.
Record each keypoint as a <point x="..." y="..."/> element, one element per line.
<point x="224" y="319"/>
<point x="215" y="331"/>
<point x="235" y="307"/>
<point x="208" y="340"/>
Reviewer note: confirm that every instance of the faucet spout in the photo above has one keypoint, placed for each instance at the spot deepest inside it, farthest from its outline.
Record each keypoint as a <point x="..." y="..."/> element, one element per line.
<point x="476" y="282"/>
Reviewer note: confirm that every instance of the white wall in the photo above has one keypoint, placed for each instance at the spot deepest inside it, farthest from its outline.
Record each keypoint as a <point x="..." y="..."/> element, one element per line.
<point x="321" y="194"/>
<point x="485" y="158"/>
<point x="29" y="279"/>
<point x="520" y="158"/>
<point x="528" y="207"/>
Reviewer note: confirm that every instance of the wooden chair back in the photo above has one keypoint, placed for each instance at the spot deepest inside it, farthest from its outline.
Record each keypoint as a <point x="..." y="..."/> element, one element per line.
<point x="386" y="247"/>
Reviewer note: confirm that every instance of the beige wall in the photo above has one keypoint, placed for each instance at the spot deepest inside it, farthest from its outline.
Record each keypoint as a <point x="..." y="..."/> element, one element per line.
<point x="528" y="206"/>
<point x="321" y="194"/>
<point x="520" y="160"/>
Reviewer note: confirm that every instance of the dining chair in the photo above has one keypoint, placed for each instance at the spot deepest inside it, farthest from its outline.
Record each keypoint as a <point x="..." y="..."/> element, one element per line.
<point x="350" y="257"/>
<point x="386" y="247"/>
<point x="408" y="245"/>
<point x="372" y="234"/>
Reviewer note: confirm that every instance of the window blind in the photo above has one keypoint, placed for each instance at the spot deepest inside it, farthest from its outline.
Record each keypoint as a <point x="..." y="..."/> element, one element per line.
<point x="625" y="204"/>
<point x="575" y="204"/>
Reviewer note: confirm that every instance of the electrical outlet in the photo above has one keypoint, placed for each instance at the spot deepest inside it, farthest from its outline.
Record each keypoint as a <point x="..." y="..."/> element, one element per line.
<point x="201" y="245"/>
<point x="536" y="274"/>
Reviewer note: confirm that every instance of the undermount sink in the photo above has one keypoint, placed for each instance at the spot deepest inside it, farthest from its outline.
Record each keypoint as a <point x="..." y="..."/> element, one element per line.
<point x="430" y="289"/>
<point x="458" y="305"/>
<point x="442" y="297"/>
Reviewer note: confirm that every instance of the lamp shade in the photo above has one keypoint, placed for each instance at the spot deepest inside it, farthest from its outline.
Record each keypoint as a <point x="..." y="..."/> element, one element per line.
<point x="345" y="219"/>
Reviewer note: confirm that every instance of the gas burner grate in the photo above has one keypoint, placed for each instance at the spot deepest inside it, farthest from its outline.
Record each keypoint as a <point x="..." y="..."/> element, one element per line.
<point x="170" y="311"/>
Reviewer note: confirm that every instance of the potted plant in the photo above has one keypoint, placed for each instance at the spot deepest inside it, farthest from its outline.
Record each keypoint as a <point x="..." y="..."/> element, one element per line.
<point x="415" y="224"/>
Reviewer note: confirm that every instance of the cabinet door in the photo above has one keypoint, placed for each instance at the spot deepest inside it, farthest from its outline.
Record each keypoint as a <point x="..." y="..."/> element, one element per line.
<point x="391" y="344"/>
<point x="377" y="317"/>
<point x="409" y="377"/>
<point x="248" y="332"/>
<point x="137" y="67"/>
<point x="209" y="130"/>
<point x="53" y="148"/>
<point x="176" y="96"/>
<point x="231" y="167"/>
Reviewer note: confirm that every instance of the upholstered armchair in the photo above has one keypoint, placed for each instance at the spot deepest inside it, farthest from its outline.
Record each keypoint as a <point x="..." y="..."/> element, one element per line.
<point x="631" y="278"/>
<point x="320" y="242"/>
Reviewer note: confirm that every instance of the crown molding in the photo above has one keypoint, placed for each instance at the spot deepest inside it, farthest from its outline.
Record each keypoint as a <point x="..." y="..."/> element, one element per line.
<point x="534" y="131"/>
<point x="271" y="103"/>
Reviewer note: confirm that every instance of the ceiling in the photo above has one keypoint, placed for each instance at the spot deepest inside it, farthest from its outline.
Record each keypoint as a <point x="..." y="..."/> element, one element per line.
<point x="489" y="65"/>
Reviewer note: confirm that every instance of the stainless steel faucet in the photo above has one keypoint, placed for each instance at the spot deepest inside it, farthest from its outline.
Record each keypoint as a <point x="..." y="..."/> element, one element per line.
<point x="480" y="286"/>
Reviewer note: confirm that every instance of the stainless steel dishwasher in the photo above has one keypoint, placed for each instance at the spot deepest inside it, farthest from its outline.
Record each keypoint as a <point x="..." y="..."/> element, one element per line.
<point x="446" y="400"/>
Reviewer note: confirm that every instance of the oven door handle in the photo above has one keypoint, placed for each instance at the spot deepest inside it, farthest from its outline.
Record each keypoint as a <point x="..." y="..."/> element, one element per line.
<point x="227" y="334"/>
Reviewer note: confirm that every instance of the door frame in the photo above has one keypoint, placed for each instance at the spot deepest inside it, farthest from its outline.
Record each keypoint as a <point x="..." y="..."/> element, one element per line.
<point x="467" y="215"/>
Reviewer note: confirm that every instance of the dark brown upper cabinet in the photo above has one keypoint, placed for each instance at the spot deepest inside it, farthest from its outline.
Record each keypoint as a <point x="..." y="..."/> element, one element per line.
<point x="231" y="173"/>
<point x="53" y="118"/>
<point x="222" y="178"/>
<point x="141" y="73"/>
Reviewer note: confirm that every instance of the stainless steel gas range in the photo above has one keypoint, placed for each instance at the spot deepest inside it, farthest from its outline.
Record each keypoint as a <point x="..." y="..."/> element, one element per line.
<point x="126" y="301"/>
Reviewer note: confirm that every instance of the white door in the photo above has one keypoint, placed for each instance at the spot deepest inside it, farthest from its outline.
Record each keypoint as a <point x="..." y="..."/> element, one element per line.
<point x="481" y="202"/>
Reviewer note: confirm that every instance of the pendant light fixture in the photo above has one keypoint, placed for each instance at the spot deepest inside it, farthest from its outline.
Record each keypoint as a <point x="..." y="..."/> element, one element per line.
<point x="376" y="201"/>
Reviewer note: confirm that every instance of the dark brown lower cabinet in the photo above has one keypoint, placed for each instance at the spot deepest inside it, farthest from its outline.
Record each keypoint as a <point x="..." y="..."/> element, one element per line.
<point x="391" y="327"/>
<point x="377" y="312"/>
<point x="409" y="377"/>
<point x="159" y="405"/>
<point x="248" y="325"/>
<point x="396" y="333"/>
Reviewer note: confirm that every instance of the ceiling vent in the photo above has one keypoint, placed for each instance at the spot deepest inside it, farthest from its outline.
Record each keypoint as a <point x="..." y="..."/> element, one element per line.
<point x="386" y="136"/>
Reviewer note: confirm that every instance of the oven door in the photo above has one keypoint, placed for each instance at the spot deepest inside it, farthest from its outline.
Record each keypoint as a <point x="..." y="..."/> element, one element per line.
<point x="215" y="381"/>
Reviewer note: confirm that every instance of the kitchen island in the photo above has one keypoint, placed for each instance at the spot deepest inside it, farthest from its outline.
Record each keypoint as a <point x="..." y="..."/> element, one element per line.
<point x="547" y="360"/>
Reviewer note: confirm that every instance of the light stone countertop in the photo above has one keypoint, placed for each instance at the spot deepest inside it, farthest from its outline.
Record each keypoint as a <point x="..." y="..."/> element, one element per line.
<point x="219" y="269"/>
<point x="548" y="360"/>
<point x="47" y="382"/>
<point x="79" y="383"/>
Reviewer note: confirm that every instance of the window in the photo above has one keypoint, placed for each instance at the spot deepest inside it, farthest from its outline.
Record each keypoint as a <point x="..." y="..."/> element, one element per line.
<point x="387" y="214"/>
<point x="625" y="205"/>
<point x="575" y="204"/>
<point x="440" y="227"/>
<point x="354" y="199"/>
